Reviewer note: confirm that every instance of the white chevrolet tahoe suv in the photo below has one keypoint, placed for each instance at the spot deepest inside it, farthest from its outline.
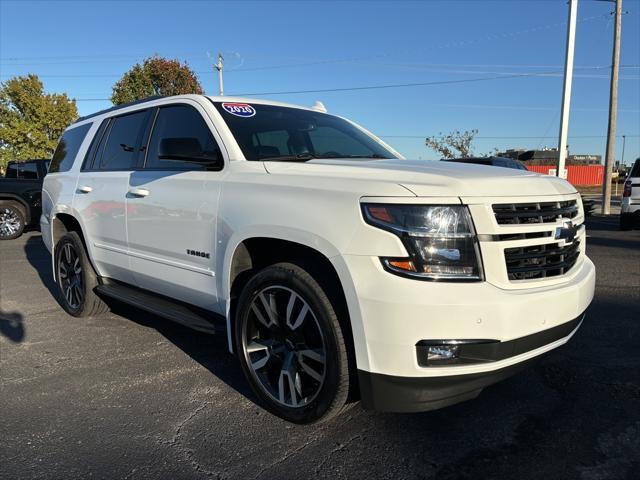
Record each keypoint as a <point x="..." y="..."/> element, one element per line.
<point x="337" y="269"/>
<point x="630" y="207"/>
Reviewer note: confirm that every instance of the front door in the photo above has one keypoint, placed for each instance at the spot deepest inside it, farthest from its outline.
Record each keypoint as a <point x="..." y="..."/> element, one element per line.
<point x="172" y="207"/>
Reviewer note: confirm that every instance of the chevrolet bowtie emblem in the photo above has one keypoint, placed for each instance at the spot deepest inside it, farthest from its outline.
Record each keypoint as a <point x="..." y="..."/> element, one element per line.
<point x="566" y="232"/>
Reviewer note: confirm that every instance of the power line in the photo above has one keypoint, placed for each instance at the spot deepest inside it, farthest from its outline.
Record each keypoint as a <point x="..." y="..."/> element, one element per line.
<point x="402" y="85"/>
<point x="387" y="86"/>
<point x="204" y="72"/>
<point x="376" y="87"/>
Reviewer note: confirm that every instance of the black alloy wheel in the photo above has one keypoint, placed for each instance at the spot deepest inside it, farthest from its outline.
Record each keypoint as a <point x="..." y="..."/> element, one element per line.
<point x="76" y="278"/>
<point x="70" y="276"/>
<point x="291" y="346"/>
<point x="11" y="222"/>
<point x="284" y="346"/>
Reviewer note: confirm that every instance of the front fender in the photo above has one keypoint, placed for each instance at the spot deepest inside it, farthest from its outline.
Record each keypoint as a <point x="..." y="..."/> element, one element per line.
<point x="307" y="239"/>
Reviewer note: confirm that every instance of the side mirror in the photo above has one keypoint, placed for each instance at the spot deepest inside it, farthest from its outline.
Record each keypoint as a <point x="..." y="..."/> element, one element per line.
<point x="188" y="149"/>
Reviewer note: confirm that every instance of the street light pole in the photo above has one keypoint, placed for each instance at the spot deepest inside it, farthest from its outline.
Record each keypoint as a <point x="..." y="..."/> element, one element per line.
<point x="219" y="66"/>
<point x="566" y="90"/>
<point x="613" y="113"/>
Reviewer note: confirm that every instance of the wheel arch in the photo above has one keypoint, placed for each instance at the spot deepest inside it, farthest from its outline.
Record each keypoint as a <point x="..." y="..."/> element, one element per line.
<point x="20" y="201"/>
<point x="247" y="255"/>
<point x="60" y="224"/>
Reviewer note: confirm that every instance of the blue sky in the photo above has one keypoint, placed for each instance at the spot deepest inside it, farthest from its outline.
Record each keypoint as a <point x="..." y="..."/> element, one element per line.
<point x="83" y="47"/>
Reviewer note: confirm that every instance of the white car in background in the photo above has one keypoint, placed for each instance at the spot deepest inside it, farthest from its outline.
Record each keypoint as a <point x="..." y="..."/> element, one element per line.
<point x="630" y="211"/>
<point x="336" y="268"/>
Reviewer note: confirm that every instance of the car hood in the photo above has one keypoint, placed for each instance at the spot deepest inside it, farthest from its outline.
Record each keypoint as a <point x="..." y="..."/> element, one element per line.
<point x="431" y="178"/>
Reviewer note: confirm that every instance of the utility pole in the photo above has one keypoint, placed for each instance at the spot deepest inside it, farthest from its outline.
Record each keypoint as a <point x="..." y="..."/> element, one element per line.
<point x="613" y="113"/>
<point x="566" y="90"/>
<point x="218" y="66"/>
<point x="624" y="141"/>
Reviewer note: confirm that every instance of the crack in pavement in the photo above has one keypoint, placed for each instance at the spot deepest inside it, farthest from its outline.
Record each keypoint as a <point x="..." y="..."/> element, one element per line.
<point x="341" y="446"/>
<point x="285" y="457"/>
<point x="185" y="451"/>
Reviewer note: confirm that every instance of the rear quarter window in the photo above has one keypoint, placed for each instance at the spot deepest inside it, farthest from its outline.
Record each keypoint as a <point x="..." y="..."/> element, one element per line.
<point x="68" y="148"/>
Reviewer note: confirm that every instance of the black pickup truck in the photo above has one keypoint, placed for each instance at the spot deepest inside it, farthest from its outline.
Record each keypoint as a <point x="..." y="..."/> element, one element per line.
<point x="21" y="196"/>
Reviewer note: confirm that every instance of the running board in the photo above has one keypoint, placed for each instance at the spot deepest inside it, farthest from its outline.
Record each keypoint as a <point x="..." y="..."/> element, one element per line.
<point x="158" y="305"/>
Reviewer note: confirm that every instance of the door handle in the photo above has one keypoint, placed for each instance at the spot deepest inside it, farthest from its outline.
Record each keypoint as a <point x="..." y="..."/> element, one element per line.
<point x="139" y="192"/>
<point x="85" y="189"/>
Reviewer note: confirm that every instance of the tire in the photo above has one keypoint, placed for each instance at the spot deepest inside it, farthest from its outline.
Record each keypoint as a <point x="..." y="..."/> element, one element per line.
<point x="296" y="361"/>
<point x="12" y="221"/>
<point x="76" y="278"/>
<point x="626" y="221"/>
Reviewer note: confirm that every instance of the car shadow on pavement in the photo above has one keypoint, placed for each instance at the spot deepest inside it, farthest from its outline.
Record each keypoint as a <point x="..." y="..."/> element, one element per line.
<point x="610" y="223"/>
<point x="40" y="259"/>
<point x="210" y="351"/>
<point x="12" y="325"/>
<point x="605" y="232"/>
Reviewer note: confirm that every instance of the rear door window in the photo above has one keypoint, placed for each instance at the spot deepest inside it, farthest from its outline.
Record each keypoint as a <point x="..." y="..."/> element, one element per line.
<point x="122" y="142"/>
<point x="12" y="171"/>
<point x="28" y="171"/>
<point x="68" y="148"/>
<point x="23" y="171"/>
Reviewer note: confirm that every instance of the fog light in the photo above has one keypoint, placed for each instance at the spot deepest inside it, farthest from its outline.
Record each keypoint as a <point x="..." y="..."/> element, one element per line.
<point x="442" y="353"/>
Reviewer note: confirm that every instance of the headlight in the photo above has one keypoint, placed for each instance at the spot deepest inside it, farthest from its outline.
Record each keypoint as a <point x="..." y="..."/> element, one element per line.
<point x="440" y="240"/>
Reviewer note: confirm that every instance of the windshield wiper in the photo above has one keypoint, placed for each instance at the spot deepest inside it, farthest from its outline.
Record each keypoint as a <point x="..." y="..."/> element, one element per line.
<point x="373" y="155"/>
<point x="303" y="157"/>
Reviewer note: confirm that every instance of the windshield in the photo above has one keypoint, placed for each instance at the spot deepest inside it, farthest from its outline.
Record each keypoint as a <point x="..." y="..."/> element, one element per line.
<point x="269" y="132"/>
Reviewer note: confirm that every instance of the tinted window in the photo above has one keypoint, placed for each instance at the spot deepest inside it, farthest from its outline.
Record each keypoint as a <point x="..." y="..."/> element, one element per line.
<point x="299" y="132"/>
<point x="12" y="171"/>
<point x="180" y="122"/>
<point x="93" y="148"/>
<point x="28" y="171"/>
<point x="120" y="149"/>
<point x="329" y="140"/>
<point x="68" y="148"/>
<point x="635" y="171"/>
<point x="274" y="142"/>
<point x="23" y="170"/>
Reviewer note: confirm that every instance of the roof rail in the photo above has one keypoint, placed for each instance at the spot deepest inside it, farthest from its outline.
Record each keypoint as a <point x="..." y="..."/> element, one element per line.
<point x="118" y="107"/>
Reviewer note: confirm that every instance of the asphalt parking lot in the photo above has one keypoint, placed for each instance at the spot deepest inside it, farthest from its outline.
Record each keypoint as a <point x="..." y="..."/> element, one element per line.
<point x="129" y="395"/>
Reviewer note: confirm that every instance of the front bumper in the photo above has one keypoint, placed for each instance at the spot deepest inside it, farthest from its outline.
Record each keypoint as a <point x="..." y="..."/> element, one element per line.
<point x="390" y="315"/>
<point x="394" y="318"/>
<point x="389" y="393"/>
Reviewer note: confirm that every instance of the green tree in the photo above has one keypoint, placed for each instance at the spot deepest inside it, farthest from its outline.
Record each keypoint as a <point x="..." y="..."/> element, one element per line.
<point x="453" y="145"/>
<point x="31" y="121"/>
<point x="156" y="76"/>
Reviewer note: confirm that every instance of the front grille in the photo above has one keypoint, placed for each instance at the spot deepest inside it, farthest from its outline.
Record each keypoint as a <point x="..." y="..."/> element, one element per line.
<point x="503" y="237"/>
<point x="540" y="261"/>
<point x="540" y="212"/>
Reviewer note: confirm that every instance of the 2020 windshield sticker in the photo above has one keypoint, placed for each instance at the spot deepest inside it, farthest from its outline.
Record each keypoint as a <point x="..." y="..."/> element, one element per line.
<point x="239" y="109"/>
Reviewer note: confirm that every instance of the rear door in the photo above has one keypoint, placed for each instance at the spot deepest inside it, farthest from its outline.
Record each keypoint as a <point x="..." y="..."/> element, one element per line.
<point x="172" y="207"/>
<point x="100" y="197"/>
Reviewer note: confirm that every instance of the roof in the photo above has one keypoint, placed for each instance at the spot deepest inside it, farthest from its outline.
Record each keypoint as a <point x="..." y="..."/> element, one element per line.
<point x="213" y="98"/>
<point x="118" y="107"/>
